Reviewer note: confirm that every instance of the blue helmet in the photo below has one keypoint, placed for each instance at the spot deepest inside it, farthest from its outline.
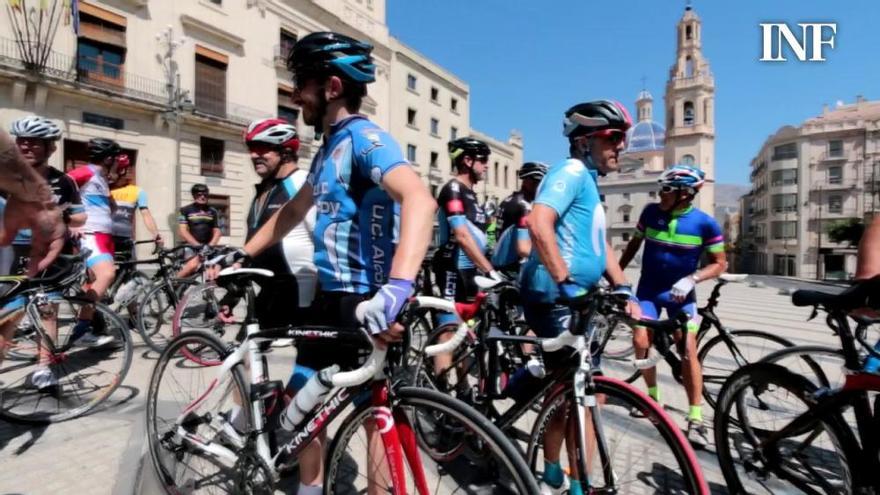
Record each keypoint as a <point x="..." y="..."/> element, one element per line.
<point x="683" y="177"/>
<point x="327" y="53"/>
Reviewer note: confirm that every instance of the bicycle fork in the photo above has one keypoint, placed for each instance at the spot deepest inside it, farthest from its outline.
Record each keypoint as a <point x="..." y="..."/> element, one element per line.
<point x="397" y="432"/>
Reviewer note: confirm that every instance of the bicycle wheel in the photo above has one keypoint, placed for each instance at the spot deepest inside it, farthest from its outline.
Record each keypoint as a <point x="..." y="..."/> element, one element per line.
<point x="199" y="309"/>
<point x="719" y="359"/>
<point x="85" y="376"/>
<point x="762" y="398"/>
<point x="820" y="364"/>
<point x="647" y="454"/>
<point x="614" y="336"/>
<point x="156" y="311"/>
<point x="176" y="384"/>
<point x="493" y="466"/>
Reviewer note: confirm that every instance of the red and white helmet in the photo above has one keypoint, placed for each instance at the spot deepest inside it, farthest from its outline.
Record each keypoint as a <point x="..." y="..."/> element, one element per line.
<point x="276" y="132"/>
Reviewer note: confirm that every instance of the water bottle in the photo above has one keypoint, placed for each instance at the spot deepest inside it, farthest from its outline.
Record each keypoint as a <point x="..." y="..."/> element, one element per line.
<point x="311" y="395"/>
<point x="127" y="291"/>
<point x="872" y="364"/>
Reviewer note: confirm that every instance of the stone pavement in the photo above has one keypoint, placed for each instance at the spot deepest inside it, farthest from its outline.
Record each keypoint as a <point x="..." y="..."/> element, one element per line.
<point x="104" y="452"/>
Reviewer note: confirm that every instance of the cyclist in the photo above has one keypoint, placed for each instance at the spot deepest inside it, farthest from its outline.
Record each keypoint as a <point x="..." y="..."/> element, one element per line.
<point x="462" y="239"/>
<point x="96" y="234"/>
<point x="30" y="205"/>
<point x="676" y="234"/>
<point x="491" y="209"/>
<point x="273" y="145"/>
<point x="35" y="138"/>
<point x="569" y="255"/>
<point x="362" y="187"/>
<point x="128" y="198"/>
<point x="514" y="244"/>
<point x="198" y="226"/>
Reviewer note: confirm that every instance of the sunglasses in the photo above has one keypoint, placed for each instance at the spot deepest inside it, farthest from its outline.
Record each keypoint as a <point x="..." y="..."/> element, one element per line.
<point x="200" y="194"/>
<point x="669" y="189"/>
<point x="481" y="159"/>
<point x="614" y="136"/>
<point x="260" y="148"/>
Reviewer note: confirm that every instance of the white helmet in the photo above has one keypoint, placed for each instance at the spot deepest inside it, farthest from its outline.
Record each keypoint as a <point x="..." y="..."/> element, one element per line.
<point x="272" y="131"/>
<point x="34" y="126"/>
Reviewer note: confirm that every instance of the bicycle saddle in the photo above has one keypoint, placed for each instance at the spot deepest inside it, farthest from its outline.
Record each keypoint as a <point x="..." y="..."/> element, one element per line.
<point x="733" y="277"/>
<point x="863" y="294"/>
<point x="232" y="274"/>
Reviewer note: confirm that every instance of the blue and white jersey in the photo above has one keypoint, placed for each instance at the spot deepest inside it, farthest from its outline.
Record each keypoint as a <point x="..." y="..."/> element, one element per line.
<point x="570" y="189"/>
<point x="356" y="222"/>
<point x="512" y="216"/>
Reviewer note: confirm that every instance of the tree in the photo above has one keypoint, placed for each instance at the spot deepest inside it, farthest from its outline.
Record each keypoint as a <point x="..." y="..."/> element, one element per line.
<point x="847" y="231"/>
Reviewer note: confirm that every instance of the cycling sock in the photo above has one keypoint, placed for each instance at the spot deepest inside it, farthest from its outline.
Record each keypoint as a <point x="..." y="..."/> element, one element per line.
<point x="654" y="393"/>
<point x="310" y="490"/>
<point x="574" y="487"/>
<point x="553" y="474"/>
<point x="695" y="413"/>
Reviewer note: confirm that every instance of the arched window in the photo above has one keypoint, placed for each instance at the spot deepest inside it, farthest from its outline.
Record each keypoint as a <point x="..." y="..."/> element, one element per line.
<point x="688" y="32"/>
<point x="689" y="113"/>
<point x="506" y="174"/>
<point x="496" y="173"/>
<point x="688" y="66"/>
<point x="688" y="160"/>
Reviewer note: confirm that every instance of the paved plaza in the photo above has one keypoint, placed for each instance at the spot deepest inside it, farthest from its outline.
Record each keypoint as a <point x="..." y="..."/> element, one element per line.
<point x="105" y="452"/>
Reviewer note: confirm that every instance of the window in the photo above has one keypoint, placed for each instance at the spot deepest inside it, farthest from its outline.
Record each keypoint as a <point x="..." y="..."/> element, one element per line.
<point x="221" y="204"/>
<point x="689" y="113"/>
<point x="835" y="204"/>
<point x="495" y="175"/>
<point x="835" y="148"/>
<point x="411" y="117"/>
<point x="786" y="177"/>
<point x="435" y="127"/>
<point x="688" y="66"/>
<point x="212" y="151"/>
<point x="286" y="109"/>
<point x="783" y="230"/>
<point x="506" y="173"/>
<point x="688" y="160"/>
<point x="625" y="236"/>
<point x="453" y="105"/>
<point x="784" y="203"/>
<point x="626" y="218"/>
<point x="411" y="82"/>
<point x="602" y="198"/>
<point x="784" y="265"/>
<point x="626" y="196"/>
<point x="835" y="175"/>
<point x="103" y="121"/>
<point x="435" y="94"/>
<point x="100" y="62"/>
<point x="286" y="42"/>
<point x="434" y="157"/>
<point x="453" y="133"/>
<point x="785" y="151"/>
<point x="210" y="86"/>
<point x="411" y="153"/>
<point x="688" y="33"/>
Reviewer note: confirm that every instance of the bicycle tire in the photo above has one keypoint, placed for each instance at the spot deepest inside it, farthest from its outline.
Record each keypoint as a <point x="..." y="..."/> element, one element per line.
<point x="412" y="401"/>
<point x="806" y="353"/>
<point x="610" y="330"/>
<point x="161" y="448"/>
<point x="154" y="317"/>
<point x="189" y="317"/>
<point x="757" y="378"/>
<point x="85" y="378"/>
<point x="712" y="382"/>
<point x="687" y="475"/>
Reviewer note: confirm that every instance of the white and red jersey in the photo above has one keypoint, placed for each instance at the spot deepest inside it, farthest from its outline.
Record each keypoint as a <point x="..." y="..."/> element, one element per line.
<point x="95" y="193"/>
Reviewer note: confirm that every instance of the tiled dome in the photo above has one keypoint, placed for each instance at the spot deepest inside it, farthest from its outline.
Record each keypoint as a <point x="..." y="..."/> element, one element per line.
<point x="645" y="136"/>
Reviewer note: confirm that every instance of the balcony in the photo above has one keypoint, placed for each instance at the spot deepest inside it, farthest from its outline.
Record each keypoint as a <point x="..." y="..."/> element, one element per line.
<point x="116" y="80"/>
<point x="279" y="56"/>
<point x="837" y="157"/>
<point x="686" y="82"/>
<point x="834" y="184"/>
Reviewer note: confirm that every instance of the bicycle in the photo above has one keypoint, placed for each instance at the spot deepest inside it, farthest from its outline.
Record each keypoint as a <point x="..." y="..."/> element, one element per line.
<point x="572" y="388"/>
<point x="788" y="433"/>
<point x="719" y="355"/>
<point x="247" y="460"/>
<point x="130" y="284"/>
<point x="86" y="376"/>
<point x="161" y="299"/>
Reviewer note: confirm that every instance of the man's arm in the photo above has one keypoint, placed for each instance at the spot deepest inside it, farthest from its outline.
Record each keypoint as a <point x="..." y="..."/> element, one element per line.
<point x="524" y="247"/>
<point x="283" y="221"/>
<point x="150" y="222"/>
<point x="717" y="265"/>
<point x="613" y="271"/>
<point x="629" y="252"/>
<point x="417" y="209"/>
<point x="77" y="220"/>
<point x="467" y="243"/>
<point x="542" y="222"/>
<point x="868" y="264"/>
<point x="215" y="236"/>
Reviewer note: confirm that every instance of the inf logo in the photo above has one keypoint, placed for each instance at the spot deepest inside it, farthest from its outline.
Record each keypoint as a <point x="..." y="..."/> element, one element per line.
<point x="814" y="37"/>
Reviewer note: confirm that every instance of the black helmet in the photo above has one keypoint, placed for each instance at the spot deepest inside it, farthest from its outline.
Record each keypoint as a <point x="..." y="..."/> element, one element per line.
<point x="593" y="116"/>
<point x="533" y="170"/>
<point x="198" y="188"/>
<point x="467" y="146"/>
<point x="332" y="53"/>
<point x="100" y="148"/>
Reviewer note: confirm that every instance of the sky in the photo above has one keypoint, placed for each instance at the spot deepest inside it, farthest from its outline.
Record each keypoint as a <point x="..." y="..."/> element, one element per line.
<point x="527" y="62"/>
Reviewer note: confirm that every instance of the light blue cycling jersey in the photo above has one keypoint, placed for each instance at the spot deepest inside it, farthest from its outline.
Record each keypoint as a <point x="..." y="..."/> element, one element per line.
<point x="570" y="189"/>
<point x="357" y="222"/>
